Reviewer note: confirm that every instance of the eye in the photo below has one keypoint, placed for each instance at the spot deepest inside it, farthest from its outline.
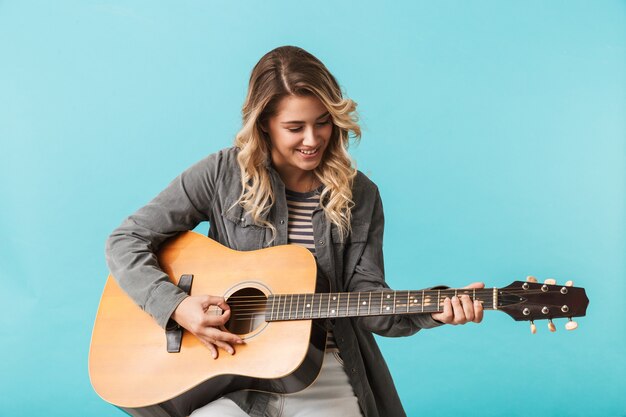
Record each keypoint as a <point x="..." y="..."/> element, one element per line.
<point x="325" y="122"/>
<point x="294" y="129"/>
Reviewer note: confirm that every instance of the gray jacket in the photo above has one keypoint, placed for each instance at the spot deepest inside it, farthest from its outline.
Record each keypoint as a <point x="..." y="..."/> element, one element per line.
<point x="207" y="191"/>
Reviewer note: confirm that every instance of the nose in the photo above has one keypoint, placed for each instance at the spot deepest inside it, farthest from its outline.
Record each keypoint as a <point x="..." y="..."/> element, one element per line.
<point x="310" y="137"/>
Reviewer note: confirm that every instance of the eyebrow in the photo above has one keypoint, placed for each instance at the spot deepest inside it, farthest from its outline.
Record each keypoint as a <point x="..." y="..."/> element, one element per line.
<point x="300" y="121"/>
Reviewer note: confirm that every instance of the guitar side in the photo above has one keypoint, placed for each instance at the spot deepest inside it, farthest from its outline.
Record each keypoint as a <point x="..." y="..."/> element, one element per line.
<point x="130" y="367"/>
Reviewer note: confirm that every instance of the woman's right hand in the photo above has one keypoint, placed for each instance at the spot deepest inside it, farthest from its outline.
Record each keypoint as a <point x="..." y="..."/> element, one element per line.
<point x="194" y="315"/>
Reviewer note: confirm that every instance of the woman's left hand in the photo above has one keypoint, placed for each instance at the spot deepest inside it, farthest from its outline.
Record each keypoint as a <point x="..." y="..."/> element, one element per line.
<point x="460" y="310"/>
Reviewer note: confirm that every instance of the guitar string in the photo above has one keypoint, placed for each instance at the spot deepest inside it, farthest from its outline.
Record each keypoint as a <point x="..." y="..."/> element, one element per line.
<point x="265" y="308"/>
<point x="326" y="300"/>
<point x="401" y="308"/>
<point x="260" y="304"/>
<point x="372" y="301"/>
<point x="355" y="304"/>
<point x="417" y="293"/>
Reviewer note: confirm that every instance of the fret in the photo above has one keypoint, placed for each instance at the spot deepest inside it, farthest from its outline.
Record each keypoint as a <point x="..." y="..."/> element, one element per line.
<point x="408" y="300"/>
<point x="358" y="304"/>
<point x="438" y="300"/>
<point x="319" y="312"/>
<point x="369" y="303"/>
<point x="328" y="309"/>
<point x="285" y="307"/>
<point x="422" y="301"/>
<point x="348" y="305"/>
<point x="381" y="302"/>
<point x="273" y="302"/>
<point x="394" y="302"/>
<point x="297" y="305"/>
<point x="474" y="296"/>
<point x="338" y="301"/>
<point x="307" y="304"/>
<point x="303" y="302"/>
<point x="290" y="304"/>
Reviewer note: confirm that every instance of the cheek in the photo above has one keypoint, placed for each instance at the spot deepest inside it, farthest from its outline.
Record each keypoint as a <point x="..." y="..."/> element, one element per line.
<point x="327" y="131"/>
<point x="285" y="142"/>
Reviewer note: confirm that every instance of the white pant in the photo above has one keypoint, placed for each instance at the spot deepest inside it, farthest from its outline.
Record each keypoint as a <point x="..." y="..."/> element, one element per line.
<point x="331" y="395"/>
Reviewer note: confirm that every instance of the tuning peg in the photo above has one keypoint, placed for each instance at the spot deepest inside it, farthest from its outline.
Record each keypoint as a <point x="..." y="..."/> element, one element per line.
<point x="533" y="328"/>
<point x="550" y="281"/>
<point x="530" y="278"/>
<point x="571" y="325"/>
<point x="569" y="283"/>
<point x="551" y="326"/>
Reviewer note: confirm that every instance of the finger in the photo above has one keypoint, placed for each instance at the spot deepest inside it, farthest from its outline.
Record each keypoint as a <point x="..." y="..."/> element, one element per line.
<point x="468" y="308"/>
<point x="216" y="318"/>
<point x="213" y="300"/>
<point x="446" y="315"/>
<point x="221" y="303"/>
<point x="478" y="311"/>
<point x="457" y="310"/>
<point x="225" y="346"/>
<point x="210" y="346"/>
<point x="222" y="336"/>
<point x="476" y="285"/>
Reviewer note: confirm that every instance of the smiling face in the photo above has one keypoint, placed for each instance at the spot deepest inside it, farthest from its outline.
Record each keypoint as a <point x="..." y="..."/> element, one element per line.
<point x="299" y="133"/>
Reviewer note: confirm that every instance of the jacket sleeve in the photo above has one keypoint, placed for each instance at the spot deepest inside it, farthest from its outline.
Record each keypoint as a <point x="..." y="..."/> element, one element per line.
<point x="131" y="248"/>
<point x="369" y="275"/>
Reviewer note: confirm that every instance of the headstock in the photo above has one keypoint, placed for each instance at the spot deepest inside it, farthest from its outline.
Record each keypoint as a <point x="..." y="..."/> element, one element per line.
<point x="530" y="301"/>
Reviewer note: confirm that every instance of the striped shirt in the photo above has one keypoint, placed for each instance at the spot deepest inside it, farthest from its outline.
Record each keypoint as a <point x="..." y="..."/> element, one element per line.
<point x="300" y="231"/>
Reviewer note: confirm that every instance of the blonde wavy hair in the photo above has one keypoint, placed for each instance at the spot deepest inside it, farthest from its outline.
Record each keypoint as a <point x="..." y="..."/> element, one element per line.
<point x="284" y="71"/>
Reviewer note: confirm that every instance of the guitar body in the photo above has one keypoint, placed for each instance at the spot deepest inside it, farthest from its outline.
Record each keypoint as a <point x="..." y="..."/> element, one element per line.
<point x="129" y="364"/>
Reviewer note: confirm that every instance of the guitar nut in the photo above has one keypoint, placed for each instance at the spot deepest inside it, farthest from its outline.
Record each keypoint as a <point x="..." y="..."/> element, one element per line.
<point x="544" y="288"/>
<point x="526" y="312"/>
<point x="525" y="286"/>
<point x="565" y="309"/>
<point x="563" y="290"/>
<point x="545" y="310"/>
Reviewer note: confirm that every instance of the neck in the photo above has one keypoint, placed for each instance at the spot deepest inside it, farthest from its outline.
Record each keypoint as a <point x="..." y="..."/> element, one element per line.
<point x="302" y="182"/>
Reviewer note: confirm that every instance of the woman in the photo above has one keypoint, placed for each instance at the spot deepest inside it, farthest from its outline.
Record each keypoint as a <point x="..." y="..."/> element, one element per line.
<point x="288" y="179"/>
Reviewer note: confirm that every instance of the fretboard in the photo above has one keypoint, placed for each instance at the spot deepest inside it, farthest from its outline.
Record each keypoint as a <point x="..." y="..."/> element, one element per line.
<point x="282" y="307"/>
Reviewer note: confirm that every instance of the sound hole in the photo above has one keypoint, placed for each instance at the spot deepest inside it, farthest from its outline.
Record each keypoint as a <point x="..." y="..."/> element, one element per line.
<point x="247" y="307"/>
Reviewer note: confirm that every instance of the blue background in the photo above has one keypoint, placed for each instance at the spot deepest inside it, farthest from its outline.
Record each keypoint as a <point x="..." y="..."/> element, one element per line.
<point x="495" y="129"/>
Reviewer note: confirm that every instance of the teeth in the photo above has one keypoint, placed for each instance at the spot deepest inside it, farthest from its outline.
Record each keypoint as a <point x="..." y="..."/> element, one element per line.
<point x="308" y="152"/>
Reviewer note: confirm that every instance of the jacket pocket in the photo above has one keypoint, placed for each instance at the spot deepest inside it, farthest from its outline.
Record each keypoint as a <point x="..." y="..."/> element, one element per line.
<point x="358" y="234"/>
<point x="242" y="233"/>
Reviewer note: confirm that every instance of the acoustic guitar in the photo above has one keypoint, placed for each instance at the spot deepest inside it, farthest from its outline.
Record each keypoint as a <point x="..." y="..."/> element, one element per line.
<point x="147" y="371"/>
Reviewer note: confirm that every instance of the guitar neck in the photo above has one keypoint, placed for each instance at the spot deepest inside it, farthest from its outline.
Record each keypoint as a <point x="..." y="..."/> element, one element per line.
<point x="281" y="307"/>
